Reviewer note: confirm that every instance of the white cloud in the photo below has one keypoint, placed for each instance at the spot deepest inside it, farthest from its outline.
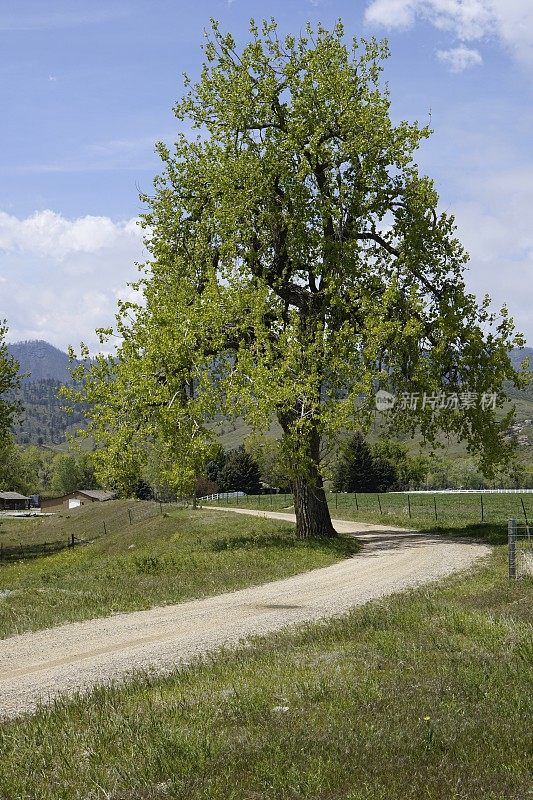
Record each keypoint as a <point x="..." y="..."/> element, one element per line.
<point x="466" y="19"/>
<point x="511" y="21"/>
<point x="460" y="58"/>
<point x="391" y="13"/>
<point x="49" y="234"/>
<point x="61" y="277"/>
<point x="515" y="24"/>
<point x="501" y="249"/>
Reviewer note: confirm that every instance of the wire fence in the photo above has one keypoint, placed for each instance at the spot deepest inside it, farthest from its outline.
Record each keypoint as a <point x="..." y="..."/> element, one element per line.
<point x="81" y="529"/>
<point x="520" y="549"/>
<point x="447" y="508"/>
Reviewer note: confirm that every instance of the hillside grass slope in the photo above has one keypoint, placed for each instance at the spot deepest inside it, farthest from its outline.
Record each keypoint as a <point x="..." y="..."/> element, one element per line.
<point x="159" y="560"/>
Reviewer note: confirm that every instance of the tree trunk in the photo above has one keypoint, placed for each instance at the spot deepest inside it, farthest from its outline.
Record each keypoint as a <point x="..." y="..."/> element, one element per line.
<point x="310" y="504"/>
<point x="311" y="507"/>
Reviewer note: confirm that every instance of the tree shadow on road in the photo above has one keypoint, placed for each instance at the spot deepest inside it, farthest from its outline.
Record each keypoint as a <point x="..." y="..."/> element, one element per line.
<point x="342" y="546"/>
<point x="379" y="541"/>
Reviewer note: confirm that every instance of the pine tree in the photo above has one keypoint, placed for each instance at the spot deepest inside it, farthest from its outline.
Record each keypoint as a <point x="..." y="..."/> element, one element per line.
<point x="240" y="473"/>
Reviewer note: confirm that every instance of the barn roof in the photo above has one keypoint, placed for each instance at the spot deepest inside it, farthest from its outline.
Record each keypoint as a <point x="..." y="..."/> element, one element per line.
<point x="12" y="496"/>
<point x="97" y="494"/>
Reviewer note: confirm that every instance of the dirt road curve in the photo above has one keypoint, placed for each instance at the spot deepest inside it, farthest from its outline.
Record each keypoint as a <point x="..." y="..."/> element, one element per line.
<point x="35" y="667"/>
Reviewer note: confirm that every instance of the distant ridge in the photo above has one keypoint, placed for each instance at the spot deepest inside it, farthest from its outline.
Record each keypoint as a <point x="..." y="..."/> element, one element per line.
<point x="519" y="354"/>
<point x="46" y="368"/>
<point x="41" y="360"/>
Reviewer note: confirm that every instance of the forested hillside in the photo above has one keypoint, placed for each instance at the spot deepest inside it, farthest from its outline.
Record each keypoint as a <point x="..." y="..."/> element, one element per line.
<point x="40" y="361"/>
<point x="45" y="368"/>
<point x="44" y="420"/>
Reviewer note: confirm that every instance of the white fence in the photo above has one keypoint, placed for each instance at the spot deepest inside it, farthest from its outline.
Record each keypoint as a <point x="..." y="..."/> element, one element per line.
<point x="222" y="496"/>
<point x="465" y="491"/>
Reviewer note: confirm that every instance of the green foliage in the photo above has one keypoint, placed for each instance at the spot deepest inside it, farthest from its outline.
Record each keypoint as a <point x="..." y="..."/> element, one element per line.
<point x="358" y="469"/>
<point x="239" y="473"/>
<point x="65" y="478"/>
<point x="298" y="262"/>
<point x="410" y="470"/>
<point x="11" y="473"/>
<point x="38" y="463"/>
<point x="215" y="463"/>
<point x="70" y="473"/>
<point x="35" y="470"/>
<point x="269" y="456"/>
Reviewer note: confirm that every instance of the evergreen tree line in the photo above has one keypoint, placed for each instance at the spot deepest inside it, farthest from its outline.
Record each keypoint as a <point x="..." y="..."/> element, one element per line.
<point x="256" y="468"/>
<point x="359" y="466"/>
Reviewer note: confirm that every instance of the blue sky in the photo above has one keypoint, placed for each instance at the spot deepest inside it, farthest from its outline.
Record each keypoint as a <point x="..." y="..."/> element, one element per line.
<point x="87" y="89"/>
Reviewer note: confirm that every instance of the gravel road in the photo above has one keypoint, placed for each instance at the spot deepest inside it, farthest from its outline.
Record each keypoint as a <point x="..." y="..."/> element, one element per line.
<point x="36" y="667"/>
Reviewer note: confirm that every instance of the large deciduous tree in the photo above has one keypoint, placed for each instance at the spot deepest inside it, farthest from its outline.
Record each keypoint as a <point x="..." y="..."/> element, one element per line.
<point x="298" y="262"/>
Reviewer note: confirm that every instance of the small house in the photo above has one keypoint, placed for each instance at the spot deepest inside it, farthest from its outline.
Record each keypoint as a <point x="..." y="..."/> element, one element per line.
<point x="80" y="497"/>
<point x="13" y="501"/>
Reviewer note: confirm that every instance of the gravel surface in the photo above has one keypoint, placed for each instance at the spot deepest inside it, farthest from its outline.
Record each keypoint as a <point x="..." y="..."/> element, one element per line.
<point x="36" y="667"/>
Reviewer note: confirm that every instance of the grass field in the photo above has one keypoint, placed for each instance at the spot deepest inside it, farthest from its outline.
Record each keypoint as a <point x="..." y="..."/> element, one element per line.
<point x="421" y="695"/>
<point x="441" y="511"/>
<point x="426" y="694"/>
<point x="86" y="522"/>
<point x="159" y="560"/>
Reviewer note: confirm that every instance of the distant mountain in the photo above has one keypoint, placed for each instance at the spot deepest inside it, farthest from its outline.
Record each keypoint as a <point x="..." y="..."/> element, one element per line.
<point x="41" y="360"/>
<point x="46" y="368"/>
<point x="518" y="355"/>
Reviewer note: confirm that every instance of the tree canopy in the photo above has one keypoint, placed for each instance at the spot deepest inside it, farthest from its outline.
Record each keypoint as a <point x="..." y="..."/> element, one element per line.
<point x="298" y="263"/>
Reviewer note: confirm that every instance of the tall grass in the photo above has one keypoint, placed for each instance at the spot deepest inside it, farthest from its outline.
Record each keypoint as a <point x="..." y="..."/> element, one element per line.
<point x="422" y="695"/>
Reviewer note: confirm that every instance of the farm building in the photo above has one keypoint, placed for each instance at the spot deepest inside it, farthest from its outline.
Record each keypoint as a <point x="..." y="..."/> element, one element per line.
<point x="81" y="497"/>
<point x="13" y="501"/>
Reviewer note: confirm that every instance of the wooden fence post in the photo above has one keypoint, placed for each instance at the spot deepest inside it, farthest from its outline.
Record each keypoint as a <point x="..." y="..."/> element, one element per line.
<point x="524" y="510"/>
<point x="511" y="535"/>
<point x="409" y="504"/>
<point x="482" y="509"/>
<point x="435" y="504"/>
<point x="379" y="504"/>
